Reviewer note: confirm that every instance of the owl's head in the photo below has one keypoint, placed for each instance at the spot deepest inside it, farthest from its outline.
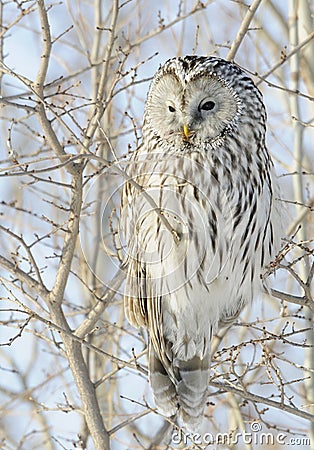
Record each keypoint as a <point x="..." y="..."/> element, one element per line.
<point x="198" y="98"/>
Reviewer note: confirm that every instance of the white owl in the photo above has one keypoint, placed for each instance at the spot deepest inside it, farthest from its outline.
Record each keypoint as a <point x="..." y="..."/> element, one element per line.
<point x="196" y="250"/>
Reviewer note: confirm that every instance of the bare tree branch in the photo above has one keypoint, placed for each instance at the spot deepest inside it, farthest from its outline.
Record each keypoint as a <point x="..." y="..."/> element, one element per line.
<point x="264" y="400"/>
<point x="302" y="301"/>
<point x="23" y="276"/>
<point x="243" y="29"/>
<point x="57" y="293"/>
<point x="85" y="386"/>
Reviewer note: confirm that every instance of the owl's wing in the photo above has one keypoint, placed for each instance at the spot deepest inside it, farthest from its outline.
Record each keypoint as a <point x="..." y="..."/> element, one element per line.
<point x="145" y="263"/>
<point x="144" y="309"/>
<point x="135" y="299"/>
<point x="142" y="301"/>
<point x="135" y="290"/>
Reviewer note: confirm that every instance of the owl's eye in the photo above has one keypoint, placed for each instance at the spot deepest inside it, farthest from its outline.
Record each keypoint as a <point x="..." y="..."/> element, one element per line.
<point x="171" y="106"/>
<point x="206" y="105"/>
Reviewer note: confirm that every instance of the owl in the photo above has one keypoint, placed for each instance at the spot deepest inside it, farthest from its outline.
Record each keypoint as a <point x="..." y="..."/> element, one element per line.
<point x="200" y="221"/>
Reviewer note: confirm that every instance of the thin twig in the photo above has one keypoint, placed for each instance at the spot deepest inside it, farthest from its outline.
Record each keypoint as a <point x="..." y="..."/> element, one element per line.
<point x="24" y="277"/>
<point x="282" y="61"/>
<point x="29" y="253"/>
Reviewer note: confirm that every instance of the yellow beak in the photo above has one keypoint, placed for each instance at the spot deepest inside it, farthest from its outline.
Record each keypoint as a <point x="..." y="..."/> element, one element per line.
<point x="186" y="131"/>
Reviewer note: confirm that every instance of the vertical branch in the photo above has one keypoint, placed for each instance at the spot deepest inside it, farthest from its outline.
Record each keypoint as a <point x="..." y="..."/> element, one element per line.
<point x="70" y="239"/>
<point x="306" y="21"/>
<point x="298" y="129"/>
<point x="46" y="52"/>
<point x="76" y="202"/>
<point x="101" y="93"/>
<point x="39" y="85"/>
<point x="243" y="29"/>
<point x="96" y="47"/>
<point x="112" y="38"/>
<point x="294" y="102"/>
<point x="84" y="385"/>
<point x="73" y="348"/>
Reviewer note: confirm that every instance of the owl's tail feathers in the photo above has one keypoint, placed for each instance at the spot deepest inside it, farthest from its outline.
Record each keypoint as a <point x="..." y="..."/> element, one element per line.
<point x="164" y="391"/>
<point x="184" y="390"/>
<point x="192" y="390"/>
